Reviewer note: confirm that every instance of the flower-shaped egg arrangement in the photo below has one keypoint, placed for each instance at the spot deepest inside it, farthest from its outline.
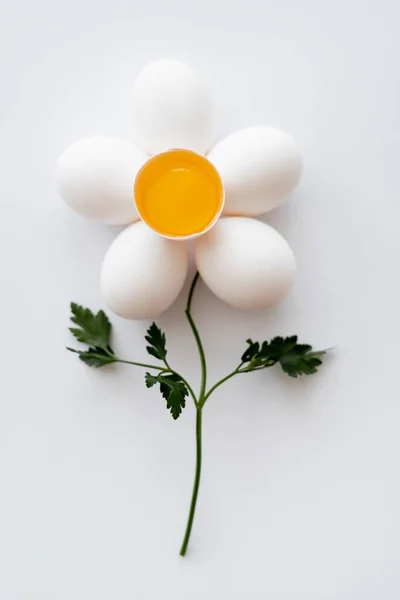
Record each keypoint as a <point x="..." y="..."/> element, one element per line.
<point x="176" y="186"/>
<point x="179" y="187"/>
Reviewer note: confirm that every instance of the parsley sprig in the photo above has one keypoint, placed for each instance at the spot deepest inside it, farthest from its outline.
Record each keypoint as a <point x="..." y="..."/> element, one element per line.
<point x="95" y="331"/>
<point x="295" y="359"/>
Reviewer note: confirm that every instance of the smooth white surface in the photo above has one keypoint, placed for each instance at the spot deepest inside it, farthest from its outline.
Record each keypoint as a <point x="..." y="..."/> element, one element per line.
<point x="171" y="108"/>
<point x="246" y="263"/>
<point x="95" y="177"/>
<point x="300" y="492"/>
<point x="143" y="273"/>
<point x="259" y="166"/>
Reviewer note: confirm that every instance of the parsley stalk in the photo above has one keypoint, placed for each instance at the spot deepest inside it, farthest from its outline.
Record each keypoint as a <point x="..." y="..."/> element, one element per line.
<point x="221" y="381"/>
<point x="197" y="338"/>
<point x="196" y="484"/>
<point x="199" y="417"/>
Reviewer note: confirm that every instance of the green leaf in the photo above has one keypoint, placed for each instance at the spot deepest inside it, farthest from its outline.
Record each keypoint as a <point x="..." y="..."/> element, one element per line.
<point x="156" y="338"/>
<point x="150" y="380"/>
<point x="295" y="359"/>
<point x="93" y="329"/>
<point x="176" y="402"/>
<point x="94" y="357"/>
<point x="251" y="351"/>
<point x="173" y="390"/>
<point x="300" y="364"/>
<point x="278" y="346"/>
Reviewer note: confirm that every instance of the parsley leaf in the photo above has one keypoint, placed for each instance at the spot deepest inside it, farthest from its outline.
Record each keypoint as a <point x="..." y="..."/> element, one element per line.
<point x="156" y="338"/>
<point x="173" y="390"/>
<point x="295" y="359"/>
<point x="94" y="330"/>
<point x="150" y="380"/>
<point x="94" y="357"/>
<point x="278" y="347"/>
<point x="301" y="364"/>
<point x="251" y="351"/>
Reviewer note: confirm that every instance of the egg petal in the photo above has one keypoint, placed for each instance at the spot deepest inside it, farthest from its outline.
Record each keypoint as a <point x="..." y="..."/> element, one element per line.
<point x="95" y="177"/>
<point x="259" y="167"/>
<point x="143" y="273"/>
<point x="245" y="263"/>
<point x="172" y="108"/>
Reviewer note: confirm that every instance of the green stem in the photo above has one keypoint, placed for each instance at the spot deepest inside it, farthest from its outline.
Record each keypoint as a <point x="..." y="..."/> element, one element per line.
<point x="198" y="404"/>
<point x="196" y="483"/>
<point x="137" y="364"/>
<point x="197" y="338"/>
<point x="191" y="291"/>
<point x="220" y="382"/>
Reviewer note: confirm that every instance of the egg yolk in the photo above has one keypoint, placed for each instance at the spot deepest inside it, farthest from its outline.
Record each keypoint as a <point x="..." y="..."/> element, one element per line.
<point x="178" y="193"/>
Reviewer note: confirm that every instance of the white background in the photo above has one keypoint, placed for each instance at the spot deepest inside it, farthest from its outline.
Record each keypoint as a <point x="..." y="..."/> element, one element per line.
<point x="300" y="492"/>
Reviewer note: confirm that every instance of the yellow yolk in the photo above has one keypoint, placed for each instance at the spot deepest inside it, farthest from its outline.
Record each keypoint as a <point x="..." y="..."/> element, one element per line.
<point x="178" y="193"/>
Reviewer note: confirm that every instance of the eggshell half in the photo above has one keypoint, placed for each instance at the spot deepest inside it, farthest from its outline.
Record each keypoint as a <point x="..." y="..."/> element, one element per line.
<point x="143" y="273"/>
<point x="171" y="108"/>
<point x="95" y="177"/>
<point x="245" y="263"/>
<point x="259" y="167"/>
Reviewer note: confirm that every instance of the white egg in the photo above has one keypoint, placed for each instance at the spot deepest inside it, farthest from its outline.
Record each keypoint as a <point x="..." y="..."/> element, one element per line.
<point x="95" y="177"/>
<point x="259" y="167"/>
<point x="143" y="273"/>
<point x="171" y="108"/>
<point x="246" y="263"/>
